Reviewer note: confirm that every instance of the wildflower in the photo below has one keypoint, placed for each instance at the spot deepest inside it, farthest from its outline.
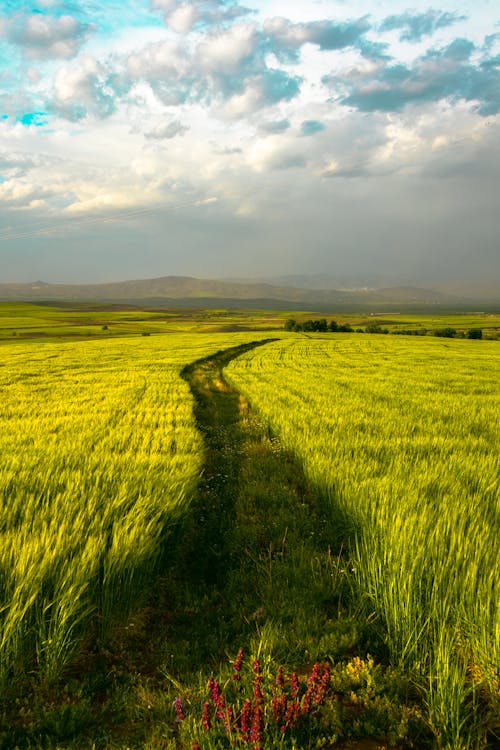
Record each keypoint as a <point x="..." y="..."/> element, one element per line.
<point x="206" y="719"/>
<point x="246" y="720"/>
<point x="195" y="745"/>
<point x="280" y="680"/>
<point x="257" y="726"/>
<point x="237" y="665"/>
<point x="217" y="697"/>
<point x="213" y="689"/>
<point x="315" y="675"/>
<point x="257" y="682"/>
<point x="323" y="685"/>
<point x="221" y="707"/>
<point x="307" y="699"/>
<point x="291" y="716"/>
<point x="295" y="685"/>
<point x="279" y="706"/>
<point x="179" y="709"/>
<point x="229" y="719"/>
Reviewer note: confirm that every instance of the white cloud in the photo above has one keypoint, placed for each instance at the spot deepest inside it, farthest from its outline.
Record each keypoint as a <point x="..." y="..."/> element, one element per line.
<point x="83" y="89"/>
<point x="225" y="52"/>
<point x="42" y="36"/>
<point x="183" y="18"/>
<point x="167" y="130"/>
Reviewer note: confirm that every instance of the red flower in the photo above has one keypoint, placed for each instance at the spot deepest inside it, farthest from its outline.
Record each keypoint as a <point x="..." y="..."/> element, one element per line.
<point x="237" y="665"/>
<point x="179" y="709"/>
<point x="246" y="720"/>
<point x="295" y="685"/>
<point x="257" y="725"/>
<point x="206" y="719"/>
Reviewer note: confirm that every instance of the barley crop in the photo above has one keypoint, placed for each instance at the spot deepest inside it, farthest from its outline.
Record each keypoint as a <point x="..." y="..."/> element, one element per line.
<point x="402" y="436"/>
<point x="99" y="458"/>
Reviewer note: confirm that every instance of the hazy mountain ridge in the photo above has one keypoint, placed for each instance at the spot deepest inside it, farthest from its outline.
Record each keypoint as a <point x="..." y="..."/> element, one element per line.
<point x="185" y="289"/>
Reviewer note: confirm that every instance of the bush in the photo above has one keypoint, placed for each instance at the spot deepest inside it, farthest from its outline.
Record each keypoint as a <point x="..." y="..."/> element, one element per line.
<point x="474" y="333"/>
<point x="447" y="333"/>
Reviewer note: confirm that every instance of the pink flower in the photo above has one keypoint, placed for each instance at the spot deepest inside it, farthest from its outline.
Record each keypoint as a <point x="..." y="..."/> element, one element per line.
<point x="291" y="715"/>
<point x="279" y="704"/>
<point x="237" y="665"/>
<point x="315" y="675"/>
<point x="206" y="719"/>
<point x="229" y="719"/>
<point x="246" y="720"/>
<point x="257" y="725"/>
<point x="323" y="685"/>
<point x="179" y="709"/>
<point x="307" y="699"/>
<point x="280" y="680"/>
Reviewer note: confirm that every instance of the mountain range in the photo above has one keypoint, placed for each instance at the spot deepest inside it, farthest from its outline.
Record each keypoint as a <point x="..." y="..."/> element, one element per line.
<point x="194" y="292"/>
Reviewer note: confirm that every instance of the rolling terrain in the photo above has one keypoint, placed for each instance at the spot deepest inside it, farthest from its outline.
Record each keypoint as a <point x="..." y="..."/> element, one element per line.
<point x="189" y="291"/>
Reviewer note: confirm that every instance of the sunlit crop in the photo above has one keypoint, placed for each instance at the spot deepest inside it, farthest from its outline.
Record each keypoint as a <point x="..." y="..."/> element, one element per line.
<point x="99" y="456"/>
<point x="402" y="436"/>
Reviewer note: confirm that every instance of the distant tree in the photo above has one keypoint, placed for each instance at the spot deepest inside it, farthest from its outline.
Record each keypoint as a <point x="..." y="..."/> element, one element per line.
<point x="321" y="325"/>
<point x="474" y="333"/>
<point x="290" y="325"/>
<point x="345" y="328"/>
<point x="333" y="326"/>
<point x="447" y="333"/>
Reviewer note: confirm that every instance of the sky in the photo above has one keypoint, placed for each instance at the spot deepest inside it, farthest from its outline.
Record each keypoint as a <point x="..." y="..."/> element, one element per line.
<point x="359" y="139"/>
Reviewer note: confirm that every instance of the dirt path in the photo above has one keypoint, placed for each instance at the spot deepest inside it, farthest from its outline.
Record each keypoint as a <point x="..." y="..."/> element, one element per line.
<point x="255" y="524"/>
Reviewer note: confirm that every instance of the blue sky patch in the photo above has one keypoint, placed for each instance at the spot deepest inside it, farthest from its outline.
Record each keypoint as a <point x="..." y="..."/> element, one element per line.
<point x="33" y="118"/>
<point x="311" y="127"/>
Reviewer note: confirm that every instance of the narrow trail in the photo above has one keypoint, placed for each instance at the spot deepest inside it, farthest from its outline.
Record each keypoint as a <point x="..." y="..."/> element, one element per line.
<point x="255" y="540"/>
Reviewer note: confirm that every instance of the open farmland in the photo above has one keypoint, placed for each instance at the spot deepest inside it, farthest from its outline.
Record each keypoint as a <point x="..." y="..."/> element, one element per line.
<point x="169" y="501"/>
<point x="402" y="438"/>
<point x="100" y="455"/>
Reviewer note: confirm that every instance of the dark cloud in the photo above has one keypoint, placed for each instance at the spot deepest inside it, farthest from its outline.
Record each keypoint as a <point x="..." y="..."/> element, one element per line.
<point x="414" y="26"/>
<point x="331" y="35"/>
<point x="285" y="38"/>
<point x="445" y="74"/>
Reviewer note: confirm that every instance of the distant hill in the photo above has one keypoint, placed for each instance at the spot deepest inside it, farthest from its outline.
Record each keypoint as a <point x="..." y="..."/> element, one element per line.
<point x="185" y="290"/>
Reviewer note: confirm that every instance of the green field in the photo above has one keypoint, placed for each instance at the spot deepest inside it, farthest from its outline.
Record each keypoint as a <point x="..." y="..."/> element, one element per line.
<point x="339" y="505"/>
<point x="21" y="321"/>
<point x="100" y="455"/>
<point x="403" y="439"/>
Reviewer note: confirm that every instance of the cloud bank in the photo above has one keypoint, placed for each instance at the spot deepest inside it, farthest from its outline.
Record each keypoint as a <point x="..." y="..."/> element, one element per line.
<point x="160" y="105"/>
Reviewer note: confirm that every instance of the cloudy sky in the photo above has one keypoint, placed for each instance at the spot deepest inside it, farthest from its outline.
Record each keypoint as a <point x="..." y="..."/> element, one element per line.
<point x="359" y="139"/>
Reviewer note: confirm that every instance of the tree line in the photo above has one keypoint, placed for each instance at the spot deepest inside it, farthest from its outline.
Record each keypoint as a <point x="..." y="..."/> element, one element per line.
<point x="321" y="325"/>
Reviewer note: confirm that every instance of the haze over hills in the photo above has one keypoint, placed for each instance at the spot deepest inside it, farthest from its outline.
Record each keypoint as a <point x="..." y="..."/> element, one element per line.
<point x="185" y="290"/>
